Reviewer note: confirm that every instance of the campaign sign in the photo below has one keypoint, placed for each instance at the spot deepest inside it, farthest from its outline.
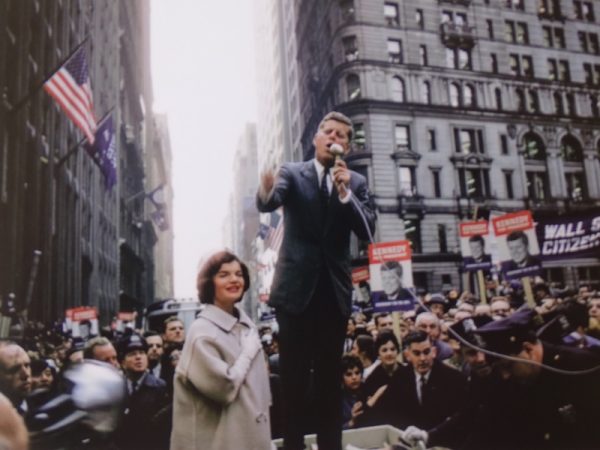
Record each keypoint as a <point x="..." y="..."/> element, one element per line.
<point x="569" y="237"/>
<point x="84" y="321"/>
<point x="391" y="276"/>
<point x="517" y="245"/>
<point x="474" y="238"/>
<point x="360" y="283"/>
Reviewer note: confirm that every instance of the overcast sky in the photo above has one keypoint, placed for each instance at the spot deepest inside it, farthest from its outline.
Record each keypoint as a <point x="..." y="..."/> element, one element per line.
<point x="203" y="76"/>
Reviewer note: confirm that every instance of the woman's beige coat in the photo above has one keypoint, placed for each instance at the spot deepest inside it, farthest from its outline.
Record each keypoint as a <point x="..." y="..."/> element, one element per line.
<point x="216" y="406"/>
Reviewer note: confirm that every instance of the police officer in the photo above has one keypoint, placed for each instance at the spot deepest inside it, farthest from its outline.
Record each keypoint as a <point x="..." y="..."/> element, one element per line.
<point x="551" y="395"/>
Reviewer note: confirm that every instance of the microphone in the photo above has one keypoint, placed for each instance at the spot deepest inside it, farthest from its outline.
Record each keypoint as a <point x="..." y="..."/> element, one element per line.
<point x="336" y="150"/>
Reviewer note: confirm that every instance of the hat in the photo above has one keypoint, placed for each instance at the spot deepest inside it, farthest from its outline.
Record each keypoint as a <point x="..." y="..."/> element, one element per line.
<point x="506" y="336"/>
<point x="130" y="343"/>
<point x="77" y="344"/>
<point x="467" y="327"/>
<point x="437" y="298"/>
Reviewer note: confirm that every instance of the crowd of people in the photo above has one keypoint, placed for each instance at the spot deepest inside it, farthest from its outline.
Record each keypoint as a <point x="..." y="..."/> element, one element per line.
<point x="454" y="370"/>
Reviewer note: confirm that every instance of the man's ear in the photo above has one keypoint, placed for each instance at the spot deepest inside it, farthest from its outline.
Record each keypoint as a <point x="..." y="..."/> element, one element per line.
<point x="434" y="350"/>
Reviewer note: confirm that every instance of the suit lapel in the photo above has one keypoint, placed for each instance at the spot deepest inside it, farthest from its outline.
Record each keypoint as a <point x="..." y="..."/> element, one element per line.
<point x="311" y="190"/>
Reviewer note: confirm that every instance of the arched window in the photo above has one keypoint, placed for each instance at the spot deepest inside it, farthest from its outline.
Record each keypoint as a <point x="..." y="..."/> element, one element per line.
<point x="469" y="95"/>
<point x="454" y="94"/>
<point x="594" y="106"/>
<point x="426" y="92"/>
<point x="534" y="147"/>
<point x="353" y="87"/>
<point x="398" y="89"/>
<point x="520" y="100"/>
<point x="570" y="149"/>
<point x="559" y="107"/>
<point x="498" y="95"/>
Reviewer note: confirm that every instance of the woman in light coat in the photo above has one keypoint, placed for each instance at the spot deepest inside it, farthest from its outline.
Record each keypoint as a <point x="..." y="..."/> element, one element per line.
<point x="221" y="385"/>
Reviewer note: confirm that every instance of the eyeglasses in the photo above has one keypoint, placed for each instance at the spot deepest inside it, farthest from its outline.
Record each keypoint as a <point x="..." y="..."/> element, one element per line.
<point x="418" y="353"/>
<point x="155" y="345"/>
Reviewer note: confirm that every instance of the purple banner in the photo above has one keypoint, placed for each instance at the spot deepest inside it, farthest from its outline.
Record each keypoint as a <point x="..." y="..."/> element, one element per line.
<point x="569" y="237"/>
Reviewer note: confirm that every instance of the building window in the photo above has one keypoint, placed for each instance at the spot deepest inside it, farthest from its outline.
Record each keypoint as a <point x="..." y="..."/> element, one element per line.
<point x="431" y="140"/>
<point x="468" y="141"/>
<point x="406" y="181"/>
<point x="390" y="12"/>
<point x="571" y="150"/>
<point x="347" y="9"/>
<point x="394" y="47"/>
<point x="514" y="64"/>
<point x="498" y="95"/>
<point x="398" y="89"/>
<point x="536" y="185"/>
<point x="564" y="73"/>
<point x="584" y="10"/>
<point x="504" y="144"/>
<point x="437" y="187"/>
<point x="534" y="147"/>
<point x="594" y="106"/>
<point x="458" y="58"/>
<point x="441" y="232"/>
<point x="589" y="74"/>
<point x="550" y="9"/>
<point x="571" y="105"/>
<point x="516" y="32"/>
<point x="350" y="48"/>
<point x="469" y="95"/>
<point x="360" y="137"/>
<point x="474" y="183"/>
<point x="533" y="103"/>
<point x="559" y="107"/>
<point x="490" y="28"/>
<point x="353" y="86"/>
<point x="494" y="62"/>
<point x="423" y="55"/>
<point x="553" y="36"/>
<point x="419" y="18"/>
<point x="454" y="94"/>
<point x="402" y="137"/>
<point x="412" y="233"/>
<point x="576" y="186"/>
<point x="527" y="65"/>
<point x="426" y="92"/>
<point x="588" y="42"/>
<point x="521" y="106"/>
<point x="508" y="184"/>
<point x="552" y="69"/>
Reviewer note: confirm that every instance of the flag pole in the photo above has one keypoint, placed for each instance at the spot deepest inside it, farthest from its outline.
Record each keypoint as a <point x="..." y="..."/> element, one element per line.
<point x="19" y="104"/>
<point x="74" y="149"/>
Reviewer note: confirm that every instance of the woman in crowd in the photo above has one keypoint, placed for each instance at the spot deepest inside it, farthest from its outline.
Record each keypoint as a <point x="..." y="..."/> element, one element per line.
<point x="221" y="384"/>
<point x="353" y="396"/>
<point x="387" y="348"/>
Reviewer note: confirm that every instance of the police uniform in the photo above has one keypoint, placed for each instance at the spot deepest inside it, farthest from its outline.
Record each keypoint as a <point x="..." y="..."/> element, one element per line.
<point x="549" y="411"/>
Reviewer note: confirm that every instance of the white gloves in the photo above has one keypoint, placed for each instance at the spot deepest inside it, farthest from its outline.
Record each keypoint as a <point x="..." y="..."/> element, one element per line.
<point x="414" y="435"/>
<point x="250" y="343"/>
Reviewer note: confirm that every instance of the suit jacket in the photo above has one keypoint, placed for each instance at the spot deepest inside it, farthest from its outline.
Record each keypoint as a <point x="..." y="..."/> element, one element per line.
<point x="531" y="267"/>
<point x="399" y="406"/>
<point x="311" y="244"/>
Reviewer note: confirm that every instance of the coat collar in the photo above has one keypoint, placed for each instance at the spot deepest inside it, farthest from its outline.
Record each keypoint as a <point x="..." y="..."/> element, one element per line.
<point x="224" y="320"/>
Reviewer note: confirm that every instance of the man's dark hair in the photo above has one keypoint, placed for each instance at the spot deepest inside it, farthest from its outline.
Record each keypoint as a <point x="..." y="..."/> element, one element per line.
<point x="378" y="316"/>
<point x="150" y="333"/>
<point x="517" y="235"/>
<point x="350" y="362"/>
<point x="414" y="337"/>
<point x="204" y="282"/>
<point x="384" y="337"/>
<point x="366" y="344"/>
<point x="338" y="117"/>
<point x="477" y="238"/>
<point x="392" y="265"/>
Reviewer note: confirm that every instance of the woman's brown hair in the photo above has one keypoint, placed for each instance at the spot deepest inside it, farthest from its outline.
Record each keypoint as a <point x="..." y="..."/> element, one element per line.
<point x="204" y="282"/>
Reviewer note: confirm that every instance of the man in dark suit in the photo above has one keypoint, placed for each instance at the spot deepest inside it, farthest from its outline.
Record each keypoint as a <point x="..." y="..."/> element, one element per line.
<point x="323" y="202"/>
<point x="518" y="246"/>
<point x="478" y="259"/>
<point x="422" y="394"/>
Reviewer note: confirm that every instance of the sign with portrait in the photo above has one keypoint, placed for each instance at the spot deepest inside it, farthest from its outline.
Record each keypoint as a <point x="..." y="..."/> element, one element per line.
<point x="362" y="288"/>
<point x="518" y="248"/>
<point x="390" y="268"/>
<point x="82" y="321"/>
<point x="474" y="237"/>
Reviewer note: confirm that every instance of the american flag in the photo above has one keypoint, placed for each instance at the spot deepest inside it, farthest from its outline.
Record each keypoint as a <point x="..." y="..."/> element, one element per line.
<point x="70" y="87"/>
<point x="275" y="234"/>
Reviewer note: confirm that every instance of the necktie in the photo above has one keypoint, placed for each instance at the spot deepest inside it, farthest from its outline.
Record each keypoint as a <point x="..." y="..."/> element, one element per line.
<point x="423" y="387"/>
<point x="324" y="194"/>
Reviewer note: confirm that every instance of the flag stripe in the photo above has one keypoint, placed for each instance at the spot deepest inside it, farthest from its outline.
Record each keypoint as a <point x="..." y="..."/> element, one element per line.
<point x="74" y="100"/>
<point x="72" y="113"/>
<point x="70" y="88"/>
